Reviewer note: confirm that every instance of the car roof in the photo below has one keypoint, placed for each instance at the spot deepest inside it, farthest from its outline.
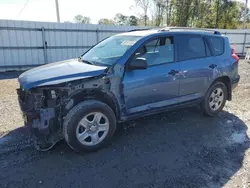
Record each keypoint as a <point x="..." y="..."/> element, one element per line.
<point x="148" y="32"/>
<point x="140" y="33"/>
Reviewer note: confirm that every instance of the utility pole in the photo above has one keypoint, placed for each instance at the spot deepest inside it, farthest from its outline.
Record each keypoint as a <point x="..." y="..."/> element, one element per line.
<point x="57" y="11"/>
<point x="217" y="13"/>
<point x="245" y="15"/>
<point x="167" y="8"/>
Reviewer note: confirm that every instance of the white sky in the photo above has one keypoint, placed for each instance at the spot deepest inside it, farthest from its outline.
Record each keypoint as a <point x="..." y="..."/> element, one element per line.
<point x="44" y="10"/>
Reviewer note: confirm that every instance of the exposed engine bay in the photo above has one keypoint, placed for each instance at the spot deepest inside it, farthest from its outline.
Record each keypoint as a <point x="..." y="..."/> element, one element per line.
<point x="44" y="108"/>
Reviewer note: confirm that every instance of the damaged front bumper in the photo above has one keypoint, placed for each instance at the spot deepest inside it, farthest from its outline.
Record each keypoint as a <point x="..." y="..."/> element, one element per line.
<point x="42" y="119"/>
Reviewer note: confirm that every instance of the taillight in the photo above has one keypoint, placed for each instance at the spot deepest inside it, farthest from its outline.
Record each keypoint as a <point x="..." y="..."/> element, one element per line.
<point x="235" y="56"/>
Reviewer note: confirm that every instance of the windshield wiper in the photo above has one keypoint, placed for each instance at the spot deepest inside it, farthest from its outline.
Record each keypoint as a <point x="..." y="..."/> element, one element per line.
<point x="85" y="61"/>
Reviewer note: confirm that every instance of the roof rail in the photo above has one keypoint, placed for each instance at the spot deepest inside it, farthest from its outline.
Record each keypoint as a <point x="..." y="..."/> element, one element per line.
<point x="143" y="29"/>
<point x="190" y="29"/>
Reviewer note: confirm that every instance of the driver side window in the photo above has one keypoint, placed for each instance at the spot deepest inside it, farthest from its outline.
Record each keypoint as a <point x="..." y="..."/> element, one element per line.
<point x="157" y="51"/>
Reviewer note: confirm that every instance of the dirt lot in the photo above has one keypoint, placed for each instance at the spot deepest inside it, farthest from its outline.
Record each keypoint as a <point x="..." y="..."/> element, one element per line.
<point x="177" y="149"/>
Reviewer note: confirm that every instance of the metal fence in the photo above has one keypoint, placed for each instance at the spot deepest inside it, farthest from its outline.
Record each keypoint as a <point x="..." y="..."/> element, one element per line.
<point x="25" y="44"/>
<point x="239" y="38"/>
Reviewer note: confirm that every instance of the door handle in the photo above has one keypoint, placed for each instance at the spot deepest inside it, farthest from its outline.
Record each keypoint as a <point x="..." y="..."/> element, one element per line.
<point x="173" y="72"/>
<point x="212" y="66"/>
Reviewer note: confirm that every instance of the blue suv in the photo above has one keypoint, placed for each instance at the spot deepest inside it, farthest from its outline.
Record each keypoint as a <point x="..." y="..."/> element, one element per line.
<point x="126" y="76"/>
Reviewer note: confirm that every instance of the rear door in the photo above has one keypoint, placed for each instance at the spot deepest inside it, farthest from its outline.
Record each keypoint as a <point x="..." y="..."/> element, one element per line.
<point x="197" y="66"/>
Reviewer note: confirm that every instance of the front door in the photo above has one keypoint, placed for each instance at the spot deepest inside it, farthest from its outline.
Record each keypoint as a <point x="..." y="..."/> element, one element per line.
<point x="158" y="85"/>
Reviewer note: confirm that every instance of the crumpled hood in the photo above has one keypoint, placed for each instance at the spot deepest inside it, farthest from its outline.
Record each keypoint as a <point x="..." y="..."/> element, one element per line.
<point x="59" y="72"/>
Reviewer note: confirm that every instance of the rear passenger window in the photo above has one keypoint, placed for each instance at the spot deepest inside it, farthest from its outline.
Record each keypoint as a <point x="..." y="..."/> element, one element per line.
<point x="208" y="50"/>
<point x="217" y="45"/>
<point x="191" y="47"/>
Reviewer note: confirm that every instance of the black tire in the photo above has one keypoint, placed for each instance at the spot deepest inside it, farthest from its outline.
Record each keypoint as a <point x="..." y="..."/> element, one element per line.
<point x="76" y="114"/>
<point x="205" y="104"/>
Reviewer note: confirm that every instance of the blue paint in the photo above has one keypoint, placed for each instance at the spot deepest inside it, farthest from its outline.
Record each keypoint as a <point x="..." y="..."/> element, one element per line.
<point x="152" y="85"/>
<point x="59" y="72"/>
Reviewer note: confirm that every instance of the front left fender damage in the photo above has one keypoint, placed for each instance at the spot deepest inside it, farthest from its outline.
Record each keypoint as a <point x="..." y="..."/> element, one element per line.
<point x="44" y="108"/>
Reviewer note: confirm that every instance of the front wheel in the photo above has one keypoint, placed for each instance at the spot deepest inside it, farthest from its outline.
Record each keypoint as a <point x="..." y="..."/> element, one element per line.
<point x="89" y="126"/>
<point x="215" y="99"/>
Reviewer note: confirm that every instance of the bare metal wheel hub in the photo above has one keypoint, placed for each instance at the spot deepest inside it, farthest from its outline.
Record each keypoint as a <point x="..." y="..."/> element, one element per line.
<point x="92" y="129"/>
<point x="216" y="99"/>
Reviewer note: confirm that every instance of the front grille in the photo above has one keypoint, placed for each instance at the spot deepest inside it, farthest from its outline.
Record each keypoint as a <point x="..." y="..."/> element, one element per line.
<point x="24" y="99"/>
<point x="22" y="94"/>
<point x="29" y="101"/>
<point x="27" y="105"/>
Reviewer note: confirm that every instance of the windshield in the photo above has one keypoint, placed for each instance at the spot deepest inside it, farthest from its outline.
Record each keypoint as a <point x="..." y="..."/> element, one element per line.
<point x="109" y="50"/>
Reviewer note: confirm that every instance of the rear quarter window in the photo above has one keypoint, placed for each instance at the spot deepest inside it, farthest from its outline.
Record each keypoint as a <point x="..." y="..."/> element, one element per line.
<point x="217" y="45"/>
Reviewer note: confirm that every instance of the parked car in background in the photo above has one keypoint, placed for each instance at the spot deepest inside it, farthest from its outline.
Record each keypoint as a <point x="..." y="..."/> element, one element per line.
<point x="126" y="76"/>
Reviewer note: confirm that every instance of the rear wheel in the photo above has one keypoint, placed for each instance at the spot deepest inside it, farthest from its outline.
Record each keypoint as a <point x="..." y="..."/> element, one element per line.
<point x="215" y="99"/>
<point x="89" y="126"/>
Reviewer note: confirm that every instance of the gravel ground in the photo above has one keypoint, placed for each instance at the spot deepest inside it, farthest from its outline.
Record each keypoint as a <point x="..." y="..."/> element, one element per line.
<point x="174" y="149"/>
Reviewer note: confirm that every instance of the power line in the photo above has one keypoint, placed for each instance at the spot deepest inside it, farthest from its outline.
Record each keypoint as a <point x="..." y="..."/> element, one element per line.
<point x="22" y="9"/>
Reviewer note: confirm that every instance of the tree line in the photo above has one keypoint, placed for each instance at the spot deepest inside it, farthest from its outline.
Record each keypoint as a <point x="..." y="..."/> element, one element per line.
<point x="224" y="14"/>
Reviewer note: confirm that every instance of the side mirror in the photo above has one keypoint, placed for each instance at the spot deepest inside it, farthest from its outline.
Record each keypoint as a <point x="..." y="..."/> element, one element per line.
<point x="138" y="63"/>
